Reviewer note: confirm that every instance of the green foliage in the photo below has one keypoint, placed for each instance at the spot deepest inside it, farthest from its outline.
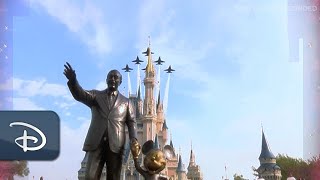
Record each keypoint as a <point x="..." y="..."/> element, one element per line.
<point x="296" y="167"/>
<point x="21" y="168"/>
<point x="238" y="177"/>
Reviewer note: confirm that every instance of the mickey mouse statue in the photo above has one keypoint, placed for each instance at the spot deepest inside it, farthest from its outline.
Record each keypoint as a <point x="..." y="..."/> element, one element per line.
<point x="154" y="161"/>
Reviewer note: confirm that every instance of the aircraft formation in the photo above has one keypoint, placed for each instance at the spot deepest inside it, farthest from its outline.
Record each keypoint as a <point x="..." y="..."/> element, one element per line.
<point x="138" y="61"/>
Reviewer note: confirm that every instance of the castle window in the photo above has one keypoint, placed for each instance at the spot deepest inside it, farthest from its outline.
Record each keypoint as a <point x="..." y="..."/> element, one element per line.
<point x="140" y="126"/>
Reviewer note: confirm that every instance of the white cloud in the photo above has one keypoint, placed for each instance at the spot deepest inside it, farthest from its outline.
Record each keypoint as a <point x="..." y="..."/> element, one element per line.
<point x="25" y="104"/>
<point x="85" y="22"/>
<point x="64" y="105"/>
<point x="29" y="88"/>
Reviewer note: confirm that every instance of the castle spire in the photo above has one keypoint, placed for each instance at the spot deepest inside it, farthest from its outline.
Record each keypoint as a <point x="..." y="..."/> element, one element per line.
<point x="158" y="103"/>
<point x="180" y="167"/>
<point x="156" y="142"/>
<point x="171" y="144"/>
<point x="268" y="164"/>
<point x="150" y="67"/>
<point x="265" y="150"/>
<point x="139" y="93"/>
<point x="164" y="126"/>
<point x="192" y="158"/>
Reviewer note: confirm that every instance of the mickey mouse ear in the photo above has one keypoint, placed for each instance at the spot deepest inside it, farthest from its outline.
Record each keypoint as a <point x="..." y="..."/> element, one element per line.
<point x="147" y="146"/>
<point x="168" y="151"/>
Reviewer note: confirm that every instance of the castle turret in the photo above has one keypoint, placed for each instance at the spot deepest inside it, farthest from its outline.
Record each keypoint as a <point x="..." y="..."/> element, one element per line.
<point x="164" y="132"/>
<point x="156" y="142"/>
<point x="158" y="101"/>
<point x="160" y="114"/>
<point x="172" y="163"/>
<point x="149" y="83"/>
<point x="171" y="143"/>
<point x="181" y="172"/>
<point x="194" y="172"/>
<point x="161" y="127"/>
<point x="149" y="114"/>
<point x="268" y="169"/>
<point x="139" y="108"/>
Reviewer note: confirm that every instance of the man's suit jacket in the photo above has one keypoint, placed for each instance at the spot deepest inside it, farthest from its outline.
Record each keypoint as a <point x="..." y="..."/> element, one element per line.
<point x="112" y="119"/>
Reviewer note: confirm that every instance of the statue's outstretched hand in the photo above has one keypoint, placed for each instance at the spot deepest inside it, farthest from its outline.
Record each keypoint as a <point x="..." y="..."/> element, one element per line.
<point x="135" y="149"/>
<point x="69" y="72"/>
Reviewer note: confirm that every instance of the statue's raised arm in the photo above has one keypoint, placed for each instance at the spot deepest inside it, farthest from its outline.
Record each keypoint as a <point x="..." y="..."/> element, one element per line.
<point x="69" y="72"/>
<point x="86" y="97"/>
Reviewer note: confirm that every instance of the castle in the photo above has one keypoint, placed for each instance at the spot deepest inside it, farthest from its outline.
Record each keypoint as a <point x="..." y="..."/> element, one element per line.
<point x="268" y="169"/>
<point x="151" y="125"/>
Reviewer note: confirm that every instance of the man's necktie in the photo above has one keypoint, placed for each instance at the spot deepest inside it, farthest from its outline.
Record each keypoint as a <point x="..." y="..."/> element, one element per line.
<point x="112" y="97"/>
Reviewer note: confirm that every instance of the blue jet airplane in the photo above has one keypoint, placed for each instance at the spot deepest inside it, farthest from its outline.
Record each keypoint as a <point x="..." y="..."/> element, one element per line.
<point x="169" y="70"/>
<point x="159" y="61"/>
<point x="127" y="69"/>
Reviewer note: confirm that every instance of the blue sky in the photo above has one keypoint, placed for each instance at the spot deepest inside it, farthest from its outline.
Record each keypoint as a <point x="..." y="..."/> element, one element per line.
<point x="232" y="74"/>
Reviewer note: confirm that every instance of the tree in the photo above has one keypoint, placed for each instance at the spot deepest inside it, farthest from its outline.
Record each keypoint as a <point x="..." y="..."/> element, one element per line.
<point x="296" y="167"/>
<point x="8" y="169"/>
<point x="21" y="168"/>
<point x="315" y="167"/>
<point x="238" y="177"/>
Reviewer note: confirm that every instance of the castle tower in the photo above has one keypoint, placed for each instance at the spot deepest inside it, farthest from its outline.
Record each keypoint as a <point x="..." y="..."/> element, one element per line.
<point x="164" y="132"/>
<point x="268" y="169"/>
<point x="194" y="172"/>
<point x="149" y="114"/>
<point x="139" y="104"/>
<point x="171" y="143"/>
<point x="181" y="172"/>
<point x="160" y="115"/>
<point x="161" y="125"/>
<point x="156" y="142"/>
<point x="172" y="163"/>
<point x="192" y="158"/>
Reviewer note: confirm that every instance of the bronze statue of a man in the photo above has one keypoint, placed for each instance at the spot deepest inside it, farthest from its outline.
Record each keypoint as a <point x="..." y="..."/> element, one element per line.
<point x="111" y="111"/>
